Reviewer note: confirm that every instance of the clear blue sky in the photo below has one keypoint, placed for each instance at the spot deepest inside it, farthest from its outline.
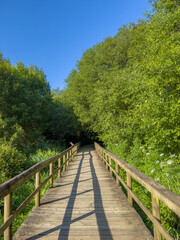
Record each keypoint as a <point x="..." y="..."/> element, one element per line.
<point x="53" y="34"/>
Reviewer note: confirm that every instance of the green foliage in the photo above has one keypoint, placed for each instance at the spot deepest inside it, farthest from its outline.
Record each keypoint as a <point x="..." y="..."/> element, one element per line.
<point x="11" y="161"/>
<point x="63" y="125"/>
<point x="25" y="98"/>
<point x="162" y="167"/>
<point x="126" y="90"/>
<point x="127" y="86"/>
<point x="21" y="193"/>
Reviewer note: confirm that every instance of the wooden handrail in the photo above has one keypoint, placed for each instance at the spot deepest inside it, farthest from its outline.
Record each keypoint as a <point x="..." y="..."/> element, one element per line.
<point x="7" y="188"/>
<point x="158" y="192"/>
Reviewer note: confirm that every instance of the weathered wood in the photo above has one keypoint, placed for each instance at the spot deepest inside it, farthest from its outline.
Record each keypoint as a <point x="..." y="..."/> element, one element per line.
<point x="110" y="163"/>
<point x="25" y="203"/>
<point x="116" y="172"/>
<point x="157" y="226"/>
<point x="156" y="214"/>
<point x="68" y="158"/>
<point x="85" y="204"/>
<point x="64" y="163"/>
<point x="7" y="188"/>
<point x="7" y="214"/>
<point x="13" y="183"/>
<point x="37" y="198"/>
<point x="169" y="198"/>
<point x="50" y="173"/>
<point x="59" y="166"/>
<point x="129" y="184"/>
<point x="106" y="160"/>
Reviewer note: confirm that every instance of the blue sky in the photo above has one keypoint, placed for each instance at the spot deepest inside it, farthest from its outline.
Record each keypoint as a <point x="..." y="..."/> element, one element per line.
<point x="53" y="34"/>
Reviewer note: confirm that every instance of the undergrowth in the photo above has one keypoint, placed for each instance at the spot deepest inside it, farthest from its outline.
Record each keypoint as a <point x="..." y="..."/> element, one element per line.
<point x="163" y="167"/>
<point x="22" y="192"/>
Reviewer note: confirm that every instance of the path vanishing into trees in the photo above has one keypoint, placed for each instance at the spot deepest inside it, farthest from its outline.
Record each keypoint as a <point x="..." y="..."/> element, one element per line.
<point x="86" y="201"/>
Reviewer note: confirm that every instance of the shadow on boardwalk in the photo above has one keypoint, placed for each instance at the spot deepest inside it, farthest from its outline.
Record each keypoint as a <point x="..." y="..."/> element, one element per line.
<point x="98" y="205"/>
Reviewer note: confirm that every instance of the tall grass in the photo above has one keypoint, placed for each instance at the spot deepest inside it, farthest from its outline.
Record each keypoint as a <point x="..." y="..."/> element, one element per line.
<point x="22" y="192"/>
<point x="162" y="167"/>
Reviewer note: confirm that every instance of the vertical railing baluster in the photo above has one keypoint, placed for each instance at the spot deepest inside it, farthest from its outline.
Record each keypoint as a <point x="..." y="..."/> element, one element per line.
<point x="59" y="166"/>
<point x="106" y="157"/>
<point x="64" y="160"/>
<point x="156" y="214"/>
<point x="129" y="184"/>
<point x="7" y="214"/>
<point x="67" y="158"/>
<point x="106" y="160"/>
<point x="110" y="163"/>
<point x="117" y="172"/>
<point x="50" y="172"/>
<point x="37" y="184"/>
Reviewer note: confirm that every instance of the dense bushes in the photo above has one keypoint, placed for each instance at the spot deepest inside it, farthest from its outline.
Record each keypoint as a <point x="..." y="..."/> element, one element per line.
<point x="127" y="87"/>
<point x="30" y="115"/>
<point x="126" y="90"/>
<point x="20" y="194"/>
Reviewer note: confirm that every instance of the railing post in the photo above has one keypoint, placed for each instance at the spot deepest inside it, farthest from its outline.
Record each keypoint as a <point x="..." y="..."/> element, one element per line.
<point x="117" y="172"/>
<point x="64" y="160"/>
<point x="156" y="214"/>
<point x="7" y="214"/>
<point x="67" y="158"/>
<point x="72" y="150"/>
<point x="129" y="184"/>
<point x="106" y="161"/>
<point x="50" y="172"/>
<point x="110" y="163"/>
<point x="37" y="184"/>
<point x="102" y="156"/>
<point x="59" y="166"/>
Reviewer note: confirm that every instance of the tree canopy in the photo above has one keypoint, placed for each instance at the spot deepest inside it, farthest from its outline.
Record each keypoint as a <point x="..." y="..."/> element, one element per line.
<point x="127" y="86"/>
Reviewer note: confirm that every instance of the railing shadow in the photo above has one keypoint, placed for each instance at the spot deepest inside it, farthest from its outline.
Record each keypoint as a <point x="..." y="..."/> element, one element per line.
<point x="104" y="232"/>
<point x="68" y="213"/>
<point x="102" y="223"/>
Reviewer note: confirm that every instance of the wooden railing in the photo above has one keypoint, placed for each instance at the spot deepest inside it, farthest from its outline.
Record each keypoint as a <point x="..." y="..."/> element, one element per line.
<point x="7" y="188"/>
<point x="158" y="192"/>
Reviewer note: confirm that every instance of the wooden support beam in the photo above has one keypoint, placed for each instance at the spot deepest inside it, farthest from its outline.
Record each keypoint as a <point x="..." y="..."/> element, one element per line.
<point x="64" y="160"/>
<point x="156" y="214"/>
<point x="67" y="158"/>
<point x="59" y="166"/>
<point x="51" y="172"/>
<point x="110" y="163"/>
<point x="117" y="172"/>
<point x="7" y="214"/>
<point x="106" y="159"/>
<point x="129" y="184"/>
<point x="37" y="184"/>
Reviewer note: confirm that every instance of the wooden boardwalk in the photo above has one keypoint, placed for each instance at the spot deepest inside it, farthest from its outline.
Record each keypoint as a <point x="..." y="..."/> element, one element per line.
<point x="85" y="203"/>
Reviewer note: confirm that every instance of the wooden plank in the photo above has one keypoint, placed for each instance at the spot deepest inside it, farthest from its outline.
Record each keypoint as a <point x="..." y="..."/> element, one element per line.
<point x="169" y="198"/>
<point x="158" y="228"/>
<point x="84" y="202"/>
<point x="10" y="185"/>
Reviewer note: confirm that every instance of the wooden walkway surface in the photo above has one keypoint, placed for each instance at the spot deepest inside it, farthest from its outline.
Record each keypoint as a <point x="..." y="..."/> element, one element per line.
<point x="85" y="203"/>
